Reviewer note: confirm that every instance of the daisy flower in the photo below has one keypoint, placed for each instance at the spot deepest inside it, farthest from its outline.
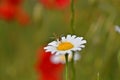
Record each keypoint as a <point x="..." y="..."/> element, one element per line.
<point x="66" y="45"/>
<point x="56" y="59"/>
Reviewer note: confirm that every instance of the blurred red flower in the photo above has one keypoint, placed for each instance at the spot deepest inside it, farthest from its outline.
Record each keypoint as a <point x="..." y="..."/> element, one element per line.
<point x="22" y="17"/>
<point x="11" y="9"/>
<point x="14" y="2"/>
<point x="47" y="69"/>
<point x="55" y="4"/>
<point x="7" y="11"/>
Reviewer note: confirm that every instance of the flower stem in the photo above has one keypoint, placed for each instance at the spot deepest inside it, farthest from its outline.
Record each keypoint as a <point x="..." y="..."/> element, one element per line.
<point x="73" y="32"/>
<point x="72" y="16"/>
<point x="98" y="76"/>
<point x="66" y="72"/>
<point x="73" y="68"/>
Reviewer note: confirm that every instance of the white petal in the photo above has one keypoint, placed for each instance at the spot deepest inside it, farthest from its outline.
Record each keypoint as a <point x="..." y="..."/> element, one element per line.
<point x="117" y="28"/>
<point x="69" y="52"/>
<point x="76" y="56"/>
<point x="47" y="51"/>
<point x="54" y="43"/>
<point x="63" y="38"/>
<point x="48" y="47"/>
<point x="55" y="59"/>
<point x="83" y="41"/>
<point x="68" y="37"/>
<point x="57" y="53"/>
<point x="53" y="51"/>
<point x="79" y="38"/>
<point x="82" y="46"/>
<point x="74" y="36"/>
<point x="76" y="49"/>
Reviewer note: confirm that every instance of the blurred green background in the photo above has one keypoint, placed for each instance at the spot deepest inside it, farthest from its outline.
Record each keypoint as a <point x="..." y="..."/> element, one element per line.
<point x="95" y="20"/>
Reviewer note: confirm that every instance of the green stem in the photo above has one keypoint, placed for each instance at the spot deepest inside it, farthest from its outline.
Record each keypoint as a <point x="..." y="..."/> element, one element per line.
<point x="72" y="16"/>
<point x="73" y="32"/>
<point x="98" y="76"/>
<point x="66" y="72"/>
<point x="73" y="68"/>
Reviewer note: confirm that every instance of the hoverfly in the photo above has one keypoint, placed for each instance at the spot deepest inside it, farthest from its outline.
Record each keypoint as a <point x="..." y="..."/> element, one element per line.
<point x="56" y="36"/>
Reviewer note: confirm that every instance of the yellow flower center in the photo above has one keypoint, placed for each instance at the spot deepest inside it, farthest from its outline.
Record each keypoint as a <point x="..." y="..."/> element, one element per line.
<point x="65" y="46"/>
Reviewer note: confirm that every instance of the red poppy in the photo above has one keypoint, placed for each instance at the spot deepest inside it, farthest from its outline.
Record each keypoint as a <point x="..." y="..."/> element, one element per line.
<point x="14" y="2"/>
<point x="11" y="9"/>
<point x="22" y="17"/>
<point x="50" y="77"/>
<point x="7" y="11"/>
<point x="47" y="69"/>
<point x="55" y="4"/>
